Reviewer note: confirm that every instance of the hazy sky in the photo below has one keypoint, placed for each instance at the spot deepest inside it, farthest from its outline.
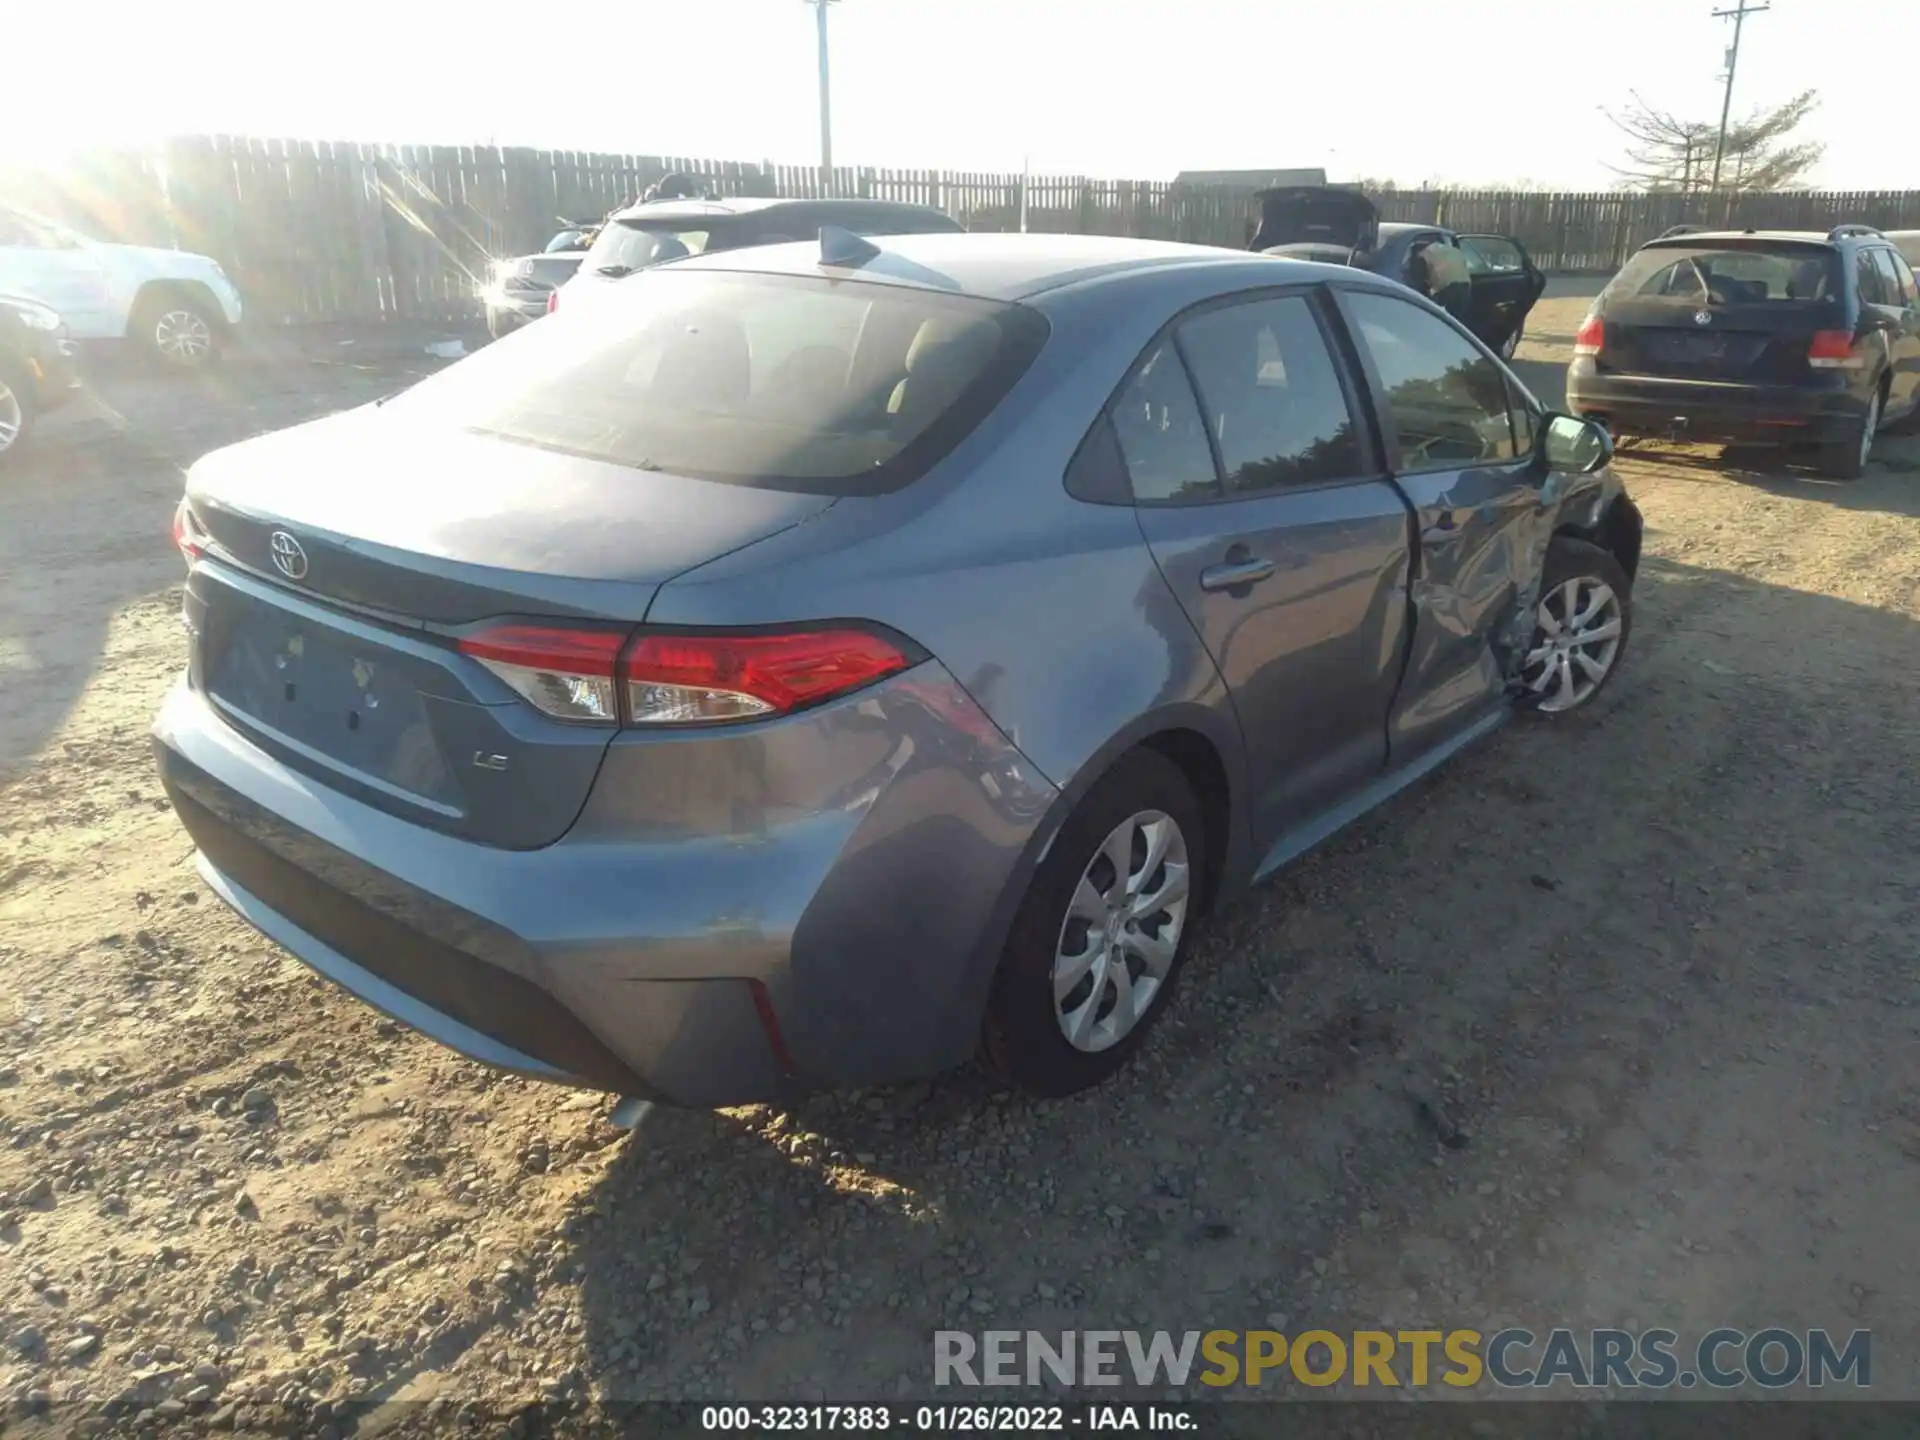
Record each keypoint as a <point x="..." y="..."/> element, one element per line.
<point x="1463" y="91"/>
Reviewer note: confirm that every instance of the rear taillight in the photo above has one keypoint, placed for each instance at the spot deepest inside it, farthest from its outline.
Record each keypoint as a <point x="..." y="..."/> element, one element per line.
<point x="701" y="679"/>
<point x="553" y="300"/>
<point x="188" y="538"/>
<point x="594" y="677"/>
<point x="568" y="674"/>
<point x="1834" y="350"/>
<point x="1590" y="337"/>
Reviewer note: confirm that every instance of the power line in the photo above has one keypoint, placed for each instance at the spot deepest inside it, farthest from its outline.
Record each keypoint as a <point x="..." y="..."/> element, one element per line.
<point x="1739" y="18"/>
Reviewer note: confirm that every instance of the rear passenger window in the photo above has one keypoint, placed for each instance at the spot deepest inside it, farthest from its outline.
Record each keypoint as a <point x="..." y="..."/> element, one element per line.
<point x="1867" y="280"/>
<point x="1449" y="404"/>
<point x="1909" y="288"/>
<point x="1884" y="261"/>
<point x="1161" y="435"/>
<point x="1491" y="255"/>
<point x="1271" y="395"/>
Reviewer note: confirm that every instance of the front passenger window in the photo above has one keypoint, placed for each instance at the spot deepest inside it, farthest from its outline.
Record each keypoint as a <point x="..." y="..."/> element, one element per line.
<point x="1448" y="402"/>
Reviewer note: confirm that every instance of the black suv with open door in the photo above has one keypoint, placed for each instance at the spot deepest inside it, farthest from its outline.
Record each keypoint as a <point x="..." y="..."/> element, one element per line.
<point x="1755" y="337"/>
<point x="1342" y="227"/>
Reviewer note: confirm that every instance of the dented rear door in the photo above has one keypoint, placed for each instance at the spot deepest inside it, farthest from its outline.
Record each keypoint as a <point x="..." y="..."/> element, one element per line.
<point x="1460" y="441"/>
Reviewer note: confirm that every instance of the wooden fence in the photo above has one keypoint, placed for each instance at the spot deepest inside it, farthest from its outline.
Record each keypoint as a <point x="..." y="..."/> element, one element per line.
<point x="316" y="231"/>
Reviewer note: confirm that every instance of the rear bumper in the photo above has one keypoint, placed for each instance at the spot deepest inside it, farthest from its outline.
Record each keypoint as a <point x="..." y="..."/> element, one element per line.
<point x="840" y="927"/>
<point x="1713" y="411"/>
<point x="510" y="312"/>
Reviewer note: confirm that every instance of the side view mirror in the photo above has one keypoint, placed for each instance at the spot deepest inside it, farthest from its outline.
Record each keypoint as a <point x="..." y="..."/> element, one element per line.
<point x="1575" y="446"/>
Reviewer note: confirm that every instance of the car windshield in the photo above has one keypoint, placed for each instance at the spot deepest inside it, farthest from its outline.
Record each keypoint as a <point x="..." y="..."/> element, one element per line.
<point x="625" y="246"/>
<point x="1747" y="275"/>
<point x="789" y="382"/>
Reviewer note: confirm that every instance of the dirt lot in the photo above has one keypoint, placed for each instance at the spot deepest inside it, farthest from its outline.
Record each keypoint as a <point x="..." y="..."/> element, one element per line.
<point x="1658" y="963"/>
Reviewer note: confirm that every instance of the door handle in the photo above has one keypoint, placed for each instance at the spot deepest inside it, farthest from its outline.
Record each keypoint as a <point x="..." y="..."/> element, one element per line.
<point x="1234" y="573"/>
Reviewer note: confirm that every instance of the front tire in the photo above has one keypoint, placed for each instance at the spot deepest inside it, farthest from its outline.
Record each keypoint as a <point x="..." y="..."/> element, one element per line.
<point x="1582" y="623"/>
<point x="16" y="414"/>
<point x="1096" y="948"/>
<point x="1847" y="459"/>
<point x="178" y="332"/>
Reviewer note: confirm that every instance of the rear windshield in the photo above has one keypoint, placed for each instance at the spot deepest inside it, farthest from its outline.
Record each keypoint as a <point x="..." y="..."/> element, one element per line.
<point x="624" y="246"/>
<point x="788" y="382"/>
<point x="1746" y="275"/>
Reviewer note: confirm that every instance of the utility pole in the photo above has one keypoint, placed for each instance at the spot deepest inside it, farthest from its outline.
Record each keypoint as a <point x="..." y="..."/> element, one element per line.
<point x="1739" y="17"/>
<point x="826" y="99"/>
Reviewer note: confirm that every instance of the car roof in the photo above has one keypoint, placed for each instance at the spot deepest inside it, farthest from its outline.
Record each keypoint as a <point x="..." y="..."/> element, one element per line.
<point x="1002" y="266"/>
<point x="1796" y="237"/>
<point x="707" y="209"/>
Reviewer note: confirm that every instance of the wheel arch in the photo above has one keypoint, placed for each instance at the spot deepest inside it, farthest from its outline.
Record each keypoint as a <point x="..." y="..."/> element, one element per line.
<point x="1205" y="745"/>
<point x="198" y="293"/>
<point x="1614" y="525"/>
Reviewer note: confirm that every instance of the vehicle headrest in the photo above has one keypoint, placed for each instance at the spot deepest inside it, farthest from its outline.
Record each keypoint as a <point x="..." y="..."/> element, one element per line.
<point x="945" y="342"/>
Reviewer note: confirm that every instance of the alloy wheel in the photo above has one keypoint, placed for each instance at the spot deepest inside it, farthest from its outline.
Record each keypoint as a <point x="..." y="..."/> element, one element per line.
<point x="1575" y="645"/>
<point x="182" y="337"/>
<point x="1122" y="931"/>
<point x="12" y="417"/>
<point x="1868" y="428"/>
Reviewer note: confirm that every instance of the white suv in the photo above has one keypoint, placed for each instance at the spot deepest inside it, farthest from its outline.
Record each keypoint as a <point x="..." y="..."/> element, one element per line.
<point x="178" y="305"/>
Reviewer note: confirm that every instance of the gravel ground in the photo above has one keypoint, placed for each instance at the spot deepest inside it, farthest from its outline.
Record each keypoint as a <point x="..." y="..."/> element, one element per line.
<point x="1611" y="1022"/>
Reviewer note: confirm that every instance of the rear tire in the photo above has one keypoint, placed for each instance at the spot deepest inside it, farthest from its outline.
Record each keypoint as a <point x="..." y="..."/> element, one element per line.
<point x="1847" y="459"/>
<point x="1511" y="345"/>
<point x="1069" y="937"/>
<point x="16" y="414"/>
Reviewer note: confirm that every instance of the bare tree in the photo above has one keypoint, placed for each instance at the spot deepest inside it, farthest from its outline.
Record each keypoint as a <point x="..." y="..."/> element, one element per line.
<point x="1761" y="152"/>
<point x="1666" y="152"/>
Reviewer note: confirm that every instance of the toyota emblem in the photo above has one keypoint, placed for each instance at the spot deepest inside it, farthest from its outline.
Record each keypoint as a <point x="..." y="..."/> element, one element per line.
<point x="1703" y="317"/>
<point x="289" y="558"/>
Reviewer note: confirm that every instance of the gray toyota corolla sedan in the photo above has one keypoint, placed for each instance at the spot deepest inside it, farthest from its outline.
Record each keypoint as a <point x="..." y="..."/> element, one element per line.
<point x="825" y="663"/>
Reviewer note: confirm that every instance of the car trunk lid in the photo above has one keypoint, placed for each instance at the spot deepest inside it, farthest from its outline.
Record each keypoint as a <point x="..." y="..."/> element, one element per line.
<point x="1316" y="214"/>
<point x="345" y="560"/>
<point x="533" y="273"/>
<point x="1763" y="344"/>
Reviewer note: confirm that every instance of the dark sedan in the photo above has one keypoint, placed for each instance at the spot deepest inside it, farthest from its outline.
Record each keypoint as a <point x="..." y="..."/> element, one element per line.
<point x="519" y="289"/>
<point x="37" y="372"/>
<point x="1342" y="227"/>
